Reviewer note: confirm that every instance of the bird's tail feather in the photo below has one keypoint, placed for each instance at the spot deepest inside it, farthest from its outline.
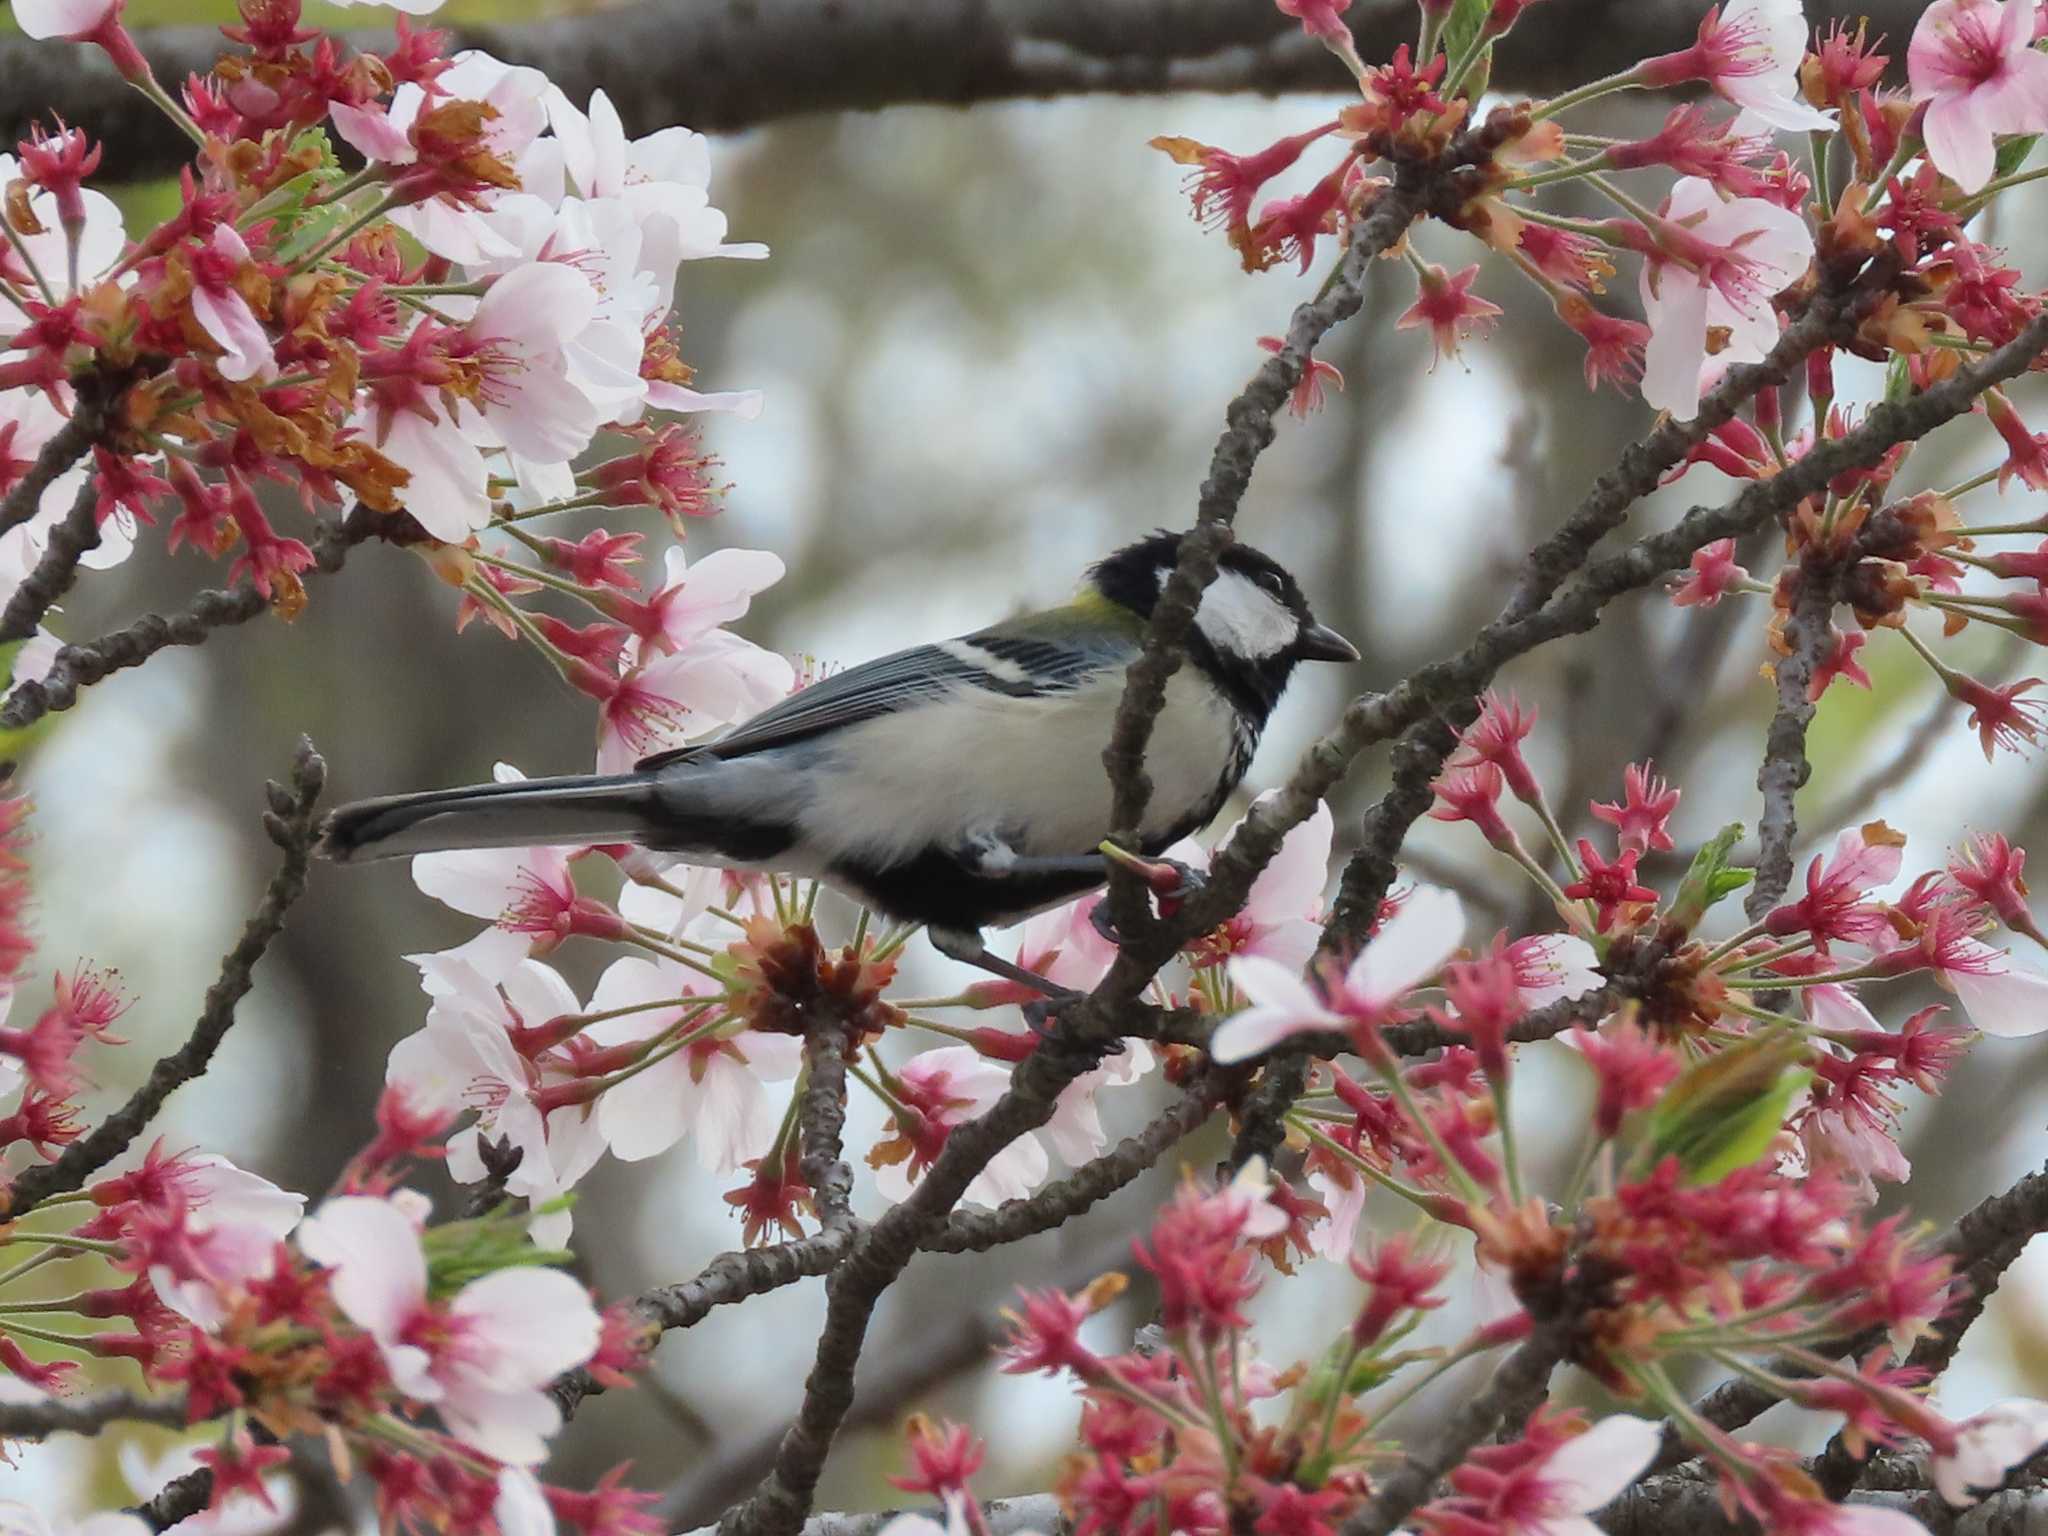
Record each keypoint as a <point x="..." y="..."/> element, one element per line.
<point x="577" y="808"/>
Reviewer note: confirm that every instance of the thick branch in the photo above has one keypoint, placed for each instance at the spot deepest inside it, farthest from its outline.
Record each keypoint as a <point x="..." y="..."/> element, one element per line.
<point x="291" y="825"/>
<point x="1031" y="1513"/>
<point x="875" y="1257"/>
<point x="1064" y="1199"/>
<point x="728" y="64"/>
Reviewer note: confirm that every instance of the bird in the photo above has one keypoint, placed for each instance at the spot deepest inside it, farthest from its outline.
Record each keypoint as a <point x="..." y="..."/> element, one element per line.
<point x="957" y="784"/>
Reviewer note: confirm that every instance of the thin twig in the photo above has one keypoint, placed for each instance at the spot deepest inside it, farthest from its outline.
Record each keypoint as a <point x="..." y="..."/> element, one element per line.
<point x="1402" y="1491"/>
<point x="291" y="825"/>
<point x="822" y="1121"/>
<point x="1784" y="770"/>
<point x="87" y="1415"/>
<point x="77" y="667"/>
<point x="70" y="443"/>
<point x="70" y="540"/>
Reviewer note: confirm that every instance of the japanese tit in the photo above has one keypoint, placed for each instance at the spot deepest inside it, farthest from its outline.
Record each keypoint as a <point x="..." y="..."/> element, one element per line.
<point x="959" y="784"/>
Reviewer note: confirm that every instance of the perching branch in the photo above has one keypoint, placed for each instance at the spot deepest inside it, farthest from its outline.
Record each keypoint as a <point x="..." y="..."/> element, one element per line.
<point x="1248" y="432"/>
<point x="719" y="65"/>
<point x="821" y="1118"/>
<point x="292" y="826"/>
<point x="78" y="667"/>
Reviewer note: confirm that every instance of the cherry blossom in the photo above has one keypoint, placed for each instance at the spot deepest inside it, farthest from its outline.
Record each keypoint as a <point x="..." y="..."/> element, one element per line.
<point x="1550" y="967"/>
<point x="231" y="1227"/>
<point x="1554" y="1495"/>
<point x="695" y="599"/>
<point x="1278" y="921"/>
<point x="941" y="1089"/>
<point x="1739" y="252"/>
<point x="1975" y="65"/>
<point x="1985" y="1447"/>
<point x="718" y="679"/>
<point x="1410" y="947"/>
<point x="485" y="1356"/>
<point x="1749" y="51"/>
<point x="711" y="1090"/>
<point x="465" y="1059"/>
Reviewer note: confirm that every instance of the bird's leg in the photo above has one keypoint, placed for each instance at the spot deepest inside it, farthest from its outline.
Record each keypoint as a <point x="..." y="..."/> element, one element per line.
<point x="967" y="947"/>
<point x="1170" y="881"/>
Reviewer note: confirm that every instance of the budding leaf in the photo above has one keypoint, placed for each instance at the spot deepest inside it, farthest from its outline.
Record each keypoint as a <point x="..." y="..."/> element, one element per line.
<point x="1462" y="30"/>
<point x="2012" y="154"/>
<point x="1724" y="1112"/>
<point x="1710" y="878"/>
<point x="1898" y="379"/>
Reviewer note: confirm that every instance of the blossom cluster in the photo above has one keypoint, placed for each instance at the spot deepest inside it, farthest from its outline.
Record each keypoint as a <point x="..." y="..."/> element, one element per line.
<point x="436" y="338"/>
<point x="349" y="1322"/>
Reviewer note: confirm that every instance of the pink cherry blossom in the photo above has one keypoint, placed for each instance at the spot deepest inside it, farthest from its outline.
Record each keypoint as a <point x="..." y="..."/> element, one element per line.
<point x="719" y="679"/>
<point x="483" y="1358"/>
<point x="1587" y="1472"/>
<point x="711" y="1089"/>
<point x="1754" y="49"/>
<point x="1410" y="947"/>
<point x="2001" y="997"/>
<point x="465" y="1059"/>
<point x="1550" y="967"/>
<point x="697" y="598"/>
<point x="1714" y="572"/>
<point x="63" y="18"/>
<point x="232" y="1223"/>
<point x="1062" y="945"/>
<point x="945" y="1088"/>
<point x="1987" y="1446"/>
<point x="1836" y="903"/>
<point x="1734" y="255"/>
<point x="220" y="308"/>
<point x="1974" y="63"/>
<point x="1279" y="918"/>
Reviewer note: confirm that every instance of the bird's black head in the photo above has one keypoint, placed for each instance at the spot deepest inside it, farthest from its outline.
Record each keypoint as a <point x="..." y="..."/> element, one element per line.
<point x="1254" y="624"/>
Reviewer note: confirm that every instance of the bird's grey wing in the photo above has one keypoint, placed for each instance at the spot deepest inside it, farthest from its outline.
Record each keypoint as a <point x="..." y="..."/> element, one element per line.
<point x="1007" y="659"/>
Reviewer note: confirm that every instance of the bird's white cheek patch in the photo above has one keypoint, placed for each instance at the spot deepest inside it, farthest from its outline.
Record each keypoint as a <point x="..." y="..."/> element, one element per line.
<point x="1242" y="618"/>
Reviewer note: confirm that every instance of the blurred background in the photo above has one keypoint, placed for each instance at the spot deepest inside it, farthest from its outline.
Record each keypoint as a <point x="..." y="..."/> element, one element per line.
<point x="993" y="345"/>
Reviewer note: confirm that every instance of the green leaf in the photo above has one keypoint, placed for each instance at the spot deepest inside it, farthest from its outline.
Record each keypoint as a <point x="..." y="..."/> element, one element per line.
<point x="1467" y="17"/>
<point x="1724" y="1112"/>
<point x="1710" y="879"/>
<point x="2012" y="154"/>
<point x="1898" y="379"/>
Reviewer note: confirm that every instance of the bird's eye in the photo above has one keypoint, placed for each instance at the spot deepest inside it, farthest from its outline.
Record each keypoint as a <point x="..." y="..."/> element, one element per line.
<point x="1272" y="582"/>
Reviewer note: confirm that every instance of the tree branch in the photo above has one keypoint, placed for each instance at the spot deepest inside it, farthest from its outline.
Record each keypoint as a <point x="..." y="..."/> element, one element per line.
<point x="78" y="667"/>
<point x="292" y="826"/>
<point x="720" y="65"/>
<point x="1404" y="1489"/>
<point x="77" y="533"/>
<point x="87" y="1415"/>
<point x="70" y="443"/>
<point x="876" y="1256"/>
<point x="822" y="1121"/>
<point x="1784" y="770"/>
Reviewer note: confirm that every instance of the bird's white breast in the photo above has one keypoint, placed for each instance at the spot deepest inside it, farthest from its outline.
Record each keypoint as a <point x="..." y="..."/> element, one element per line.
<point x="1028" y="770"/>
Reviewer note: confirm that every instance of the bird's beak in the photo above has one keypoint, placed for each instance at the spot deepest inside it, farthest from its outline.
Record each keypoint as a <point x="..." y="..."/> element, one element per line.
<point x="1319" y="642"/>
